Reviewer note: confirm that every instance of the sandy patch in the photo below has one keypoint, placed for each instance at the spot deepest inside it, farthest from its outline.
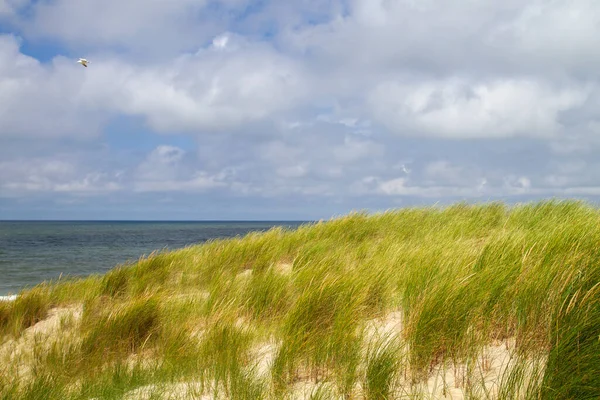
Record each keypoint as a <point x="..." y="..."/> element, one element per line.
<point x="448" y="381"/>
<point x="191" y="296"/>
<point x="52" y="323"/>
<point x="386" y="327"/>
<point x="284" y="268"/>
<point x="175" y="391"/>
<point x="264" y="355"/>
<point x="246" y="274"/>
<point x="304" y="390"/>
<point x="18" y="354"/>
<point x="481" y="378"/>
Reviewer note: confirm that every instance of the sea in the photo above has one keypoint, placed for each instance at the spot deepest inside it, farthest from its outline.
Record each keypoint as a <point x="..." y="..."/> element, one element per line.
<point x="35" y="251"/>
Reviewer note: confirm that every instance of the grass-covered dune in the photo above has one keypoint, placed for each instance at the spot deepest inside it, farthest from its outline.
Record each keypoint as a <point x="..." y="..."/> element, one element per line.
<point x="478" y="302"/>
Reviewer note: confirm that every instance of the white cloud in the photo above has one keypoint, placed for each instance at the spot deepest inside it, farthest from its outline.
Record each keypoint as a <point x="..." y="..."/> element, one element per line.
<point x="236" y="81"/>
<point x="444" y="171"/>
<point x="534" y="36"/>
<point x="206" y="91"/>
<point x="91" y="183"/>
<point x="517" y="184"/>
<point x="165" y="170"/>
<point x="21" y="176"/>
<point x="199" y="182"/>
<point x="524" y="182"/>
<point x="401" y="187"/>
<point x="10" y="7"/>
<point x="555" y="34"/>
<point x="36" y="100"/>
<point x="209" y="90"/>
<point x="163" y="163"/>
<point x="220" y="42"/>
<point x="147" y="25"/>
<point x="354" y="150"/>
<point x="457" y="109"/>
<point x="292" y="171"/>
<point x="280" y="107"/>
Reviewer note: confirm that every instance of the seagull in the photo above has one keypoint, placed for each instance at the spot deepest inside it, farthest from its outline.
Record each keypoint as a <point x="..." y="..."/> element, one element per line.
<point x="83" y="62"/>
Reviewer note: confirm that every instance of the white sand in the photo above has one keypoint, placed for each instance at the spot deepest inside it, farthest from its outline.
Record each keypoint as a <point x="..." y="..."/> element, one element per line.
<point x="446" y="381"/>
<point x="284" y="268"/>
<point x="8" y="298"/>
<point x="18" y="354"/>
<point x="173" y="391"/>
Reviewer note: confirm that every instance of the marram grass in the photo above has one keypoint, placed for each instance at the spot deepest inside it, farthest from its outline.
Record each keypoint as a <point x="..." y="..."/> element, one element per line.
<point x="469" y="301"/>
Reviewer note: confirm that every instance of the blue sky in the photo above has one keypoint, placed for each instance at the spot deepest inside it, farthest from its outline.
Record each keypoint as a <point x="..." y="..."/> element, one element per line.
<point x="305" y="109"/>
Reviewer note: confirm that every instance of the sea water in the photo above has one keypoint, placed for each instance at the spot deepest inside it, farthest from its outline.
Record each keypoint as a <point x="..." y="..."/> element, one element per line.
<point x="34" y="251"/>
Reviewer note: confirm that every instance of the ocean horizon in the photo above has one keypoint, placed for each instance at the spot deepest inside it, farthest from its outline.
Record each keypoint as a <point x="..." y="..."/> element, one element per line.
<point x="33" y="251"/>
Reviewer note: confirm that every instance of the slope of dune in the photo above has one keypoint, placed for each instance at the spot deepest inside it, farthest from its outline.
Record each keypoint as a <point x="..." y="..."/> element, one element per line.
<point x="469" y="301"/>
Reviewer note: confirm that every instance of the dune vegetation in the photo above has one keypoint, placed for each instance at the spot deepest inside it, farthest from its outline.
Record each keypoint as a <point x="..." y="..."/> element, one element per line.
<point x="467" y="301"/>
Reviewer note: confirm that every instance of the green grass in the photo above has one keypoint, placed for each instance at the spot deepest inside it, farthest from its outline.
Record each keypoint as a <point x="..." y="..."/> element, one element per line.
<point x="276" y="314"/>
<point x="383" y="363"/>
<point x="28" y="309"/>
<point x="121" y="328"/>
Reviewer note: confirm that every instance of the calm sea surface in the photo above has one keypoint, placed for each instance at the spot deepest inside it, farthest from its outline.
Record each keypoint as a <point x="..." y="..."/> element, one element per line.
<point x="31" y="252"/>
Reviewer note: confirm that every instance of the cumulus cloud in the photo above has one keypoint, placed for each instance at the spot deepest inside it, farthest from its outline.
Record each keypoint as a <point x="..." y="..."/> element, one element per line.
<point x="164" y="170"/>
<point x="445" y="171"/>
<point x="456" y="109"/>
<point x="161" y="29"/>
<point x="352" y="102"/>
<point x="143" y="25"/>
<point x="199" y="182"/>
<point x="441" y="38"/>
<point x="39" y="100"/>
<point x="210" y="90"/>
<point x="399" y="187"/>
<point x="23" y="176"/>
<point x="554" y="36"/>
<point x="355" y="150"/>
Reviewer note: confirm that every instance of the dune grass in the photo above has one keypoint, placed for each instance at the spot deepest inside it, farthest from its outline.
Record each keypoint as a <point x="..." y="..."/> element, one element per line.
<point x="289" y="314"/>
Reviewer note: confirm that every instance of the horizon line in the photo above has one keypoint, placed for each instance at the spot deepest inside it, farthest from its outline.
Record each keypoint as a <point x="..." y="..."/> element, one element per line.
<point x="157" y="220"/>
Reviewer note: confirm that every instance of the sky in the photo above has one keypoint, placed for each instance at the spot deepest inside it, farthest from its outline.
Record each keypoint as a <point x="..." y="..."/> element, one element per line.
<point x="294" y="110"/>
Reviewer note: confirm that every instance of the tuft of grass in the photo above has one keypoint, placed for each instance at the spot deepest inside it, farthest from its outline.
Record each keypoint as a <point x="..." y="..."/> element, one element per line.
<point x="5" y="315"/>
<point x="115" y="282"/>
<point x="42" y="387"/>
<point x="122" y="328"/>
<point x="268" y="295"/>
<point x="321" y="333"/>
<point x="225" y="354"/>
<point x="383" y="365"/>
<point x="26" y="310"/>
<point x="574" y="357"/>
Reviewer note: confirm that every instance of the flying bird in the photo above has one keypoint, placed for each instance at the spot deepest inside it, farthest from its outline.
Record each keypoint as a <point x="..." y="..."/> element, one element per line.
<point x="83" y="62"/>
